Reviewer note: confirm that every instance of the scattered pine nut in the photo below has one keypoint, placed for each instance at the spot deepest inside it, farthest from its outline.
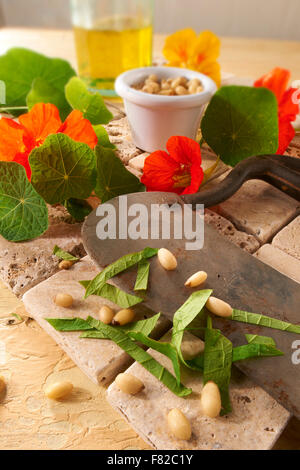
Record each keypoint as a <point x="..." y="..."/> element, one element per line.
<point x="59" y="390"/>
<point x="196" y="279"/>
<point x="2" y="384"/>
<point x="106" y="315"/>
<point x="123" y="317"/>
<point x="129" y="384"/>
<point x="178" y="86"/>
<point x="179" y="425"/>
<point x="167" y="259"/>
<point x="65" y="264"/>
<point x="63" y="300"/>
<point x="211" y="400"/>
<point x="219" y="307"/>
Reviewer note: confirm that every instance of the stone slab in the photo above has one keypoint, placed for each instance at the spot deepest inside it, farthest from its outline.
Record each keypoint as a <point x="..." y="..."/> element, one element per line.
<point x="24" y="265"/>
<point x="259" y="209"/>
<point x="280" y="261"/>
<point x="120" y="135"/>
<point x="256" y="422"/>
<point x="100" y="360"/>
<point x="288" y="239"/>
<point x="227" y="229"/>
<point x="294" y="148"/>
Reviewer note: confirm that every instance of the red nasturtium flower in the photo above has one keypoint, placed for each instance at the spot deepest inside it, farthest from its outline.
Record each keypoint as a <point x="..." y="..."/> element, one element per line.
<point x="178" y="171"/>
<point x="17" y="140"/>
<point x="277" y="81"/>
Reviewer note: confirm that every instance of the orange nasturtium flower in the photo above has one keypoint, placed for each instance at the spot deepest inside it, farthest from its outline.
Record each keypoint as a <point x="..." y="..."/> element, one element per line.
<point x="178" y="171"/>
<point x="277" y="81"/>
<point x="187" y="50"/>
<point x="17" y="140"/>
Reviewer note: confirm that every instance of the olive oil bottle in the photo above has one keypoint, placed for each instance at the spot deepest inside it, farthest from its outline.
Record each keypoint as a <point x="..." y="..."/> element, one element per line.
<point x="107" y="46"/>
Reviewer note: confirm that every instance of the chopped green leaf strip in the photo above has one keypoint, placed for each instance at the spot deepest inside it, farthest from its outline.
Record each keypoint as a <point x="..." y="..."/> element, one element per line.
<point x="142" y="357"/>
<point x="254" y="350"/>
<point x="142" y="275"/>
<point x="69" y="324"/>
<point x="63" y="169"/>
<point x="257" y="339"/>
<point x="90" y="104"/>
<point x="186" y="314"/>
<point x="257" y="319"/>
<point x="115" y="295"/>
<point x="117" y="267"/>
<point x="217" y="364"/>
<point x="23" y="213"/>
<point x="113" y="179"/>
<point x="61" y="254"/>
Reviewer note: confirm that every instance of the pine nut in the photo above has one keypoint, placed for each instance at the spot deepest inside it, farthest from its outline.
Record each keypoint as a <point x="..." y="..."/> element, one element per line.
<point x="106" y="315"/>
<point x="192" y="89"/>
<point x="194" y="82"/>
<point x="2" y="384"/>
<point x="167" y="259"/>
<point x="199" y="89"/>
<point x="181" y="90"/>
<point x="196" y="279"/>
<point x="219" y="307"/>
<point x="59" y="390"/>
<point x="63" y="300"/>
<point x="65" y="264"/>
<point x="153" y="78"/>
<point x="151" y="87"/>
<point x="179" y="425"/>
<point x="165" y="85"/>
<point x="129" y="384"/>
<point x="211" y="400"/>
<point x="168" y="92"/>
<point x="123" y="317"/>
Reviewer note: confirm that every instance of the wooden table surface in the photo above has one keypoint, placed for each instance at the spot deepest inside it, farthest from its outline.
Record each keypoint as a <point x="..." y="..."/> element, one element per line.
<point x="28" y="357"/>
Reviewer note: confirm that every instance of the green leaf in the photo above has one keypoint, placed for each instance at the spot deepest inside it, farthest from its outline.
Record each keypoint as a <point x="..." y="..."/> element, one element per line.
<point x="20" y="67"/>
<point x="90" y="104"/>
<point x="257" y="339"/>
<point x="78" y="208"/>
<point x="69" y="324"/>
<point x="167" y="349"/>
<point x="61" y="254"/>
<point x="262" y="320"/>
<point x="217" y="364"/>
<point x="103" y="137"/>
<point x="43" y="92"/>
<point x="254" y="350"/>
<point x="142" y="326"/>
<point x="63" y="169"/>
<point x="240" y="122"/>
<point x="142" y="357"/>
<point x="122" y="264"/>
<point x="23" y="213"/>
<point x="113" y="179"/>
<point x="142" y="278"/>
<point x="115" y="295"/>
<point x="185" y="315"/>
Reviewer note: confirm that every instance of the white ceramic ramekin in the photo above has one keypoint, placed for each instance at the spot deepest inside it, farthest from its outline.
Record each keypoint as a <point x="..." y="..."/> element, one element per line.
<point x="156" y="118"/>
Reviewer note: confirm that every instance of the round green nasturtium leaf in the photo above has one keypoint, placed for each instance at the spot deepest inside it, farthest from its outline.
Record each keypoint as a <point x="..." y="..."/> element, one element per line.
<point x="241" y="122"/>
<point x="20" y="67"/>
<point x="23" y="213"/>
<point x="43" y="92"/>
<point x="63" y="169"/>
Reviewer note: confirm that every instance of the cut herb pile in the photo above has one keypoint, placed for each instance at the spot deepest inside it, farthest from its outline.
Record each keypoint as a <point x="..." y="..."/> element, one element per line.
<point x="214" y="364"/>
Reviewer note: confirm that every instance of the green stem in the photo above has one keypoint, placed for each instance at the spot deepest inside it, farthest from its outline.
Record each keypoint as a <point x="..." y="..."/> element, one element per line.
<point x="13" y="108"/>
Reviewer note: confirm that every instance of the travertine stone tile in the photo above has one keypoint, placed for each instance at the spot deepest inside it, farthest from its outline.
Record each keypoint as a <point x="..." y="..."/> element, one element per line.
<point x="256" y="422"/>
<point x="120" y="135"/>
<point x="227" y="229"/>
<point x="280" y="261"/>
<point x="288" y="239"/>
<point x="24" y="265"/>
<point x="101" y="360"/>
<point x="259" y="209"/>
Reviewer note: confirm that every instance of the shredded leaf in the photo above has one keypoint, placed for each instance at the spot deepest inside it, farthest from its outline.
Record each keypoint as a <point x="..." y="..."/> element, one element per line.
<point x="115" y="295"/>
<point x="61" y="254"/>
<point x="254" y="350"/>
<point x="257" y="339"/>
<point x="69" y="324"/>
<point x="257" y="319"/>
<point x="116" y="268"/>
<point x="142" y="357"/>
<point x="142" y="275"/>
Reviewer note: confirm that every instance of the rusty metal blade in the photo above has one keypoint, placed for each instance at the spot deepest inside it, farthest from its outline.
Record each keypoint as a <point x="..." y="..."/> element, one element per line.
<point x="234" y="275"/>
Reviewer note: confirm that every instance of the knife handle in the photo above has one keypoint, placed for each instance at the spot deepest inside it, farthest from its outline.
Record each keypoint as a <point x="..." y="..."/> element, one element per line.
<point x="281" y="171"/>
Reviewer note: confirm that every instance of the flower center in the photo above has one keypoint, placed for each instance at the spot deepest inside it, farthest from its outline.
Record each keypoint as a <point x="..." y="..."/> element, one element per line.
<point x="200" y="58"/>
<point x="182" y="180"/>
